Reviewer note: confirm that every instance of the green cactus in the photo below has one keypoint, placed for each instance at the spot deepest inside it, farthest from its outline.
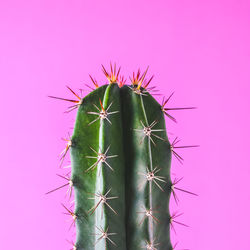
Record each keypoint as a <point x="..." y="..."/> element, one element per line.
<point x="120" y="159"/>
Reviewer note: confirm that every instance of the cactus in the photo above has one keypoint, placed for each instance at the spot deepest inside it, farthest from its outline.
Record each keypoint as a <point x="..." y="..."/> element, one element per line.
<point x="120" y="160"/>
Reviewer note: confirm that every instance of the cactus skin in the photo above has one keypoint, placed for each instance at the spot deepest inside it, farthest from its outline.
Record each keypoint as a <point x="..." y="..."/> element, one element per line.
<point x="132" y="193"/>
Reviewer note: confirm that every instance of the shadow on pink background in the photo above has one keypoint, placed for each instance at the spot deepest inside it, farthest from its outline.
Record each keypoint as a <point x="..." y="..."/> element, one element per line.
<point x="199" y="49"/>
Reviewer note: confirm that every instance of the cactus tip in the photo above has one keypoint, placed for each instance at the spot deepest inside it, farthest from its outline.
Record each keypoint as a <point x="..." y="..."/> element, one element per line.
<point x="113" y="76"/>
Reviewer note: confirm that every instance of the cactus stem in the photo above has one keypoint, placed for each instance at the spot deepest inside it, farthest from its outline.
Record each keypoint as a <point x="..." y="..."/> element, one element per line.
<point x="103" y="113"/>
<point x="101" y="157"/>
<point x="103" y="200"/>
<point x="96" y="202"/>
<point x="69" y="183"/>
<point x="104" y="235"/>
<point x="150" y="176"/>
<point x="172" y="220"/>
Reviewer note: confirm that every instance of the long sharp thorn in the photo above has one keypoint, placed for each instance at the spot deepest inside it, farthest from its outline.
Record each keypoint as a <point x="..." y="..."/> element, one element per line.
<point x="172" y="227"/>
<point x="109" y="166"/>
<point x="152" y="140"/>
<point x="107" y="150"/>
<point x="176" y="181"/>
<point x="63" y="99"/>
<point x="57" y="188"/>
<point x="170" y="117"/>
<point x="101" y="104"/>
<point x="111" y="241"/>
<point x="111" y="208"/>
<point x="89" y="87"/>
<point x="111" y="68"/>
<point x="104" y="71"/>
<point x="109" y="106"/>
<point x="175" y="196"/>
<point x="145" y="86"/>
<point x="71" y="109"/>
<point x="158" y="137"/>
<point x="178" y="157"/>
<point x="72" y="224"/>
<point x="118" y="72"/>
<point x="192" y="146"/>
<point x="113" y="112"/>
<point x="153" y="123"/>
<point x="94" y="121"/>
<point x="70" y="212"/>
<point x="168" y="99"/>
<point x="174" y="140"/>
<point x="93" y="150"/>
<point x="73" y="93"/>
<point x="94" y="208"/>
<point x="63" y="177"/>
<point x="108" y="121"/>
<point x="94" y="82"/>
<point x="183" y="190"/>
<point x="180" y="108"/>
<point x="92" y="113"/>
<point x="96" y="107"/>
<point x="182" y="224"/>
<point x="158" y="186"/>
<point x="107" y="192"/>
<point x="141" y="141"/>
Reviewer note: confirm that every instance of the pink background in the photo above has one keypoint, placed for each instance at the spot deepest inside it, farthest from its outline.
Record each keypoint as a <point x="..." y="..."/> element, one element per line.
<point x="199" y="49"/>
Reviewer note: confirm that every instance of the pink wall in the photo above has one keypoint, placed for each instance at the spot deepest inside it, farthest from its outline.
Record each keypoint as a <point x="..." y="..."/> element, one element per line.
<point x="199" y="49"/>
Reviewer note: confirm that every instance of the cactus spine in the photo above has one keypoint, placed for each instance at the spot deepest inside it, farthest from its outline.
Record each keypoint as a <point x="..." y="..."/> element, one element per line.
<point x="120" y="159"/>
